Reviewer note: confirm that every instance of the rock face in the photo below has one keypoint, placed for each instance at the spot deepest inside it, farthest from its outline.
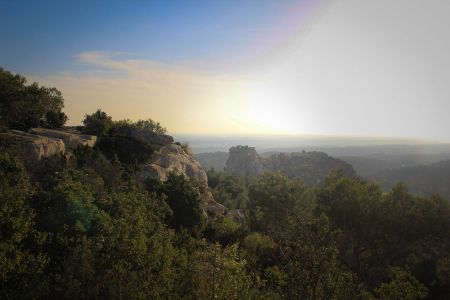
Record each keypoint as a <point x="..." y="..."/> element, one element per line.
<point x="39" y="143"/>
<point x="36" y="147"/>
<point x="71" y="138"/>
<point x="244" y="161"/>
<point x="175" y="158"/>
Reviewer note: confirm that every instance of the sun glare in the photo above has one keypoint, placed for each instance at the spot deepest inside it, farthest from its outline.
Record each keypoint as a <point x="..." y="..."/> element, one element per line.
<point x="268" y="110"/>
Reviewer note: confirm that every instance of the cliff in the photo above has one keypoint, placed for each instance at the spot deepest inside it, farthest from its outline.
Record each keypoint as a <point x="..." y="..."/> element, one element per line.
<point x="244" y="161"/>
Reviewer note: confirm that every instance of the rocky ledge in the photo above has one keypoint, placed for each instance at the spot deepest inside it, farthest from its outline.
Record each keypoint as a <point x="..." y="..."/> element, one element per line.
<point x="179" y="159"/>
<point x="39" y="143"/>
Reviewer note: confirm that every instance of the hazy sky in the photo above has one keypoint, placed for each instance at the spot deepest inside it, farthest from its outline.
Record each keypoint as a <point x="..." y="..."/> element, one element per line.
<point x="344" y="67"/>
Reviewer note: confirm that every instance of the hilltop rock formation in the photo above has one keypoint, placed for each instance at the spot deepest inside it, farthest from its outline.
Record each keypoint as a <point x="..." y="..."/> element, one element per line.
<point x="311" y="167"/>
<point x="244" y="161"/>
<point x="178" y="159"/>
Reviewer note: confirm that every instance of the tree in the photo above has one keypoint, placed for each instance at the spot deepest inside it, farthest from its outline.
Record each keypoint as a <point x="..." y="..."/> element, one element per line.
<point x="219" y="273"/>
<point x="20" y="267"/>
<point x="276" y="201"/>
<point x="128" y="150"/>
<point x="185" y="201"/>
<point x="98" y="123"/>
<point x="402" y="286"/>
<point x="24" y="106"/>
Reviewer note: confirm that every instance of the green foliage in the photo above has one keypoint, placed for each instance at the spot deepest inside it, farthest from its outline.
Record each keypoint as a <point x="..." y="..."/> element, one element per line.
<point x="260" y="251"/>
<point x="128" y="150"/>
<point x="220" y="273"/>
<point x="98" y="123"/>
<point x="20" y="266"/>
<point x="185" y="201"/>
<point x="402" y="285"/>
<point x="276" y="201"/>
<point x="54" y="119"/>
<point x="229" y="190"/>
<point x="24" y="106"/>
<point x="224" y="230"/>
<point x="146" y="125"/>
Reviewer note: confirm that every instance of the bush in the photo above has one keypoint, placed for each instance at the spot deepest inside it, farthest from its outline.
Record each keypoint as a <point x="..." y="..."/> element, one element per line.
<point x="98" y="123"/>
<point x="127" y="150"/>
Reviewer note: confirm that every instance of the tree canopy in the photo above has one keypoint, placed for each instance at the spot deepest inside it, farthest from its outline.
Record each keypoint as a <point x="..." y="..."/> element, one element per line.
<point x="25" y="106"/>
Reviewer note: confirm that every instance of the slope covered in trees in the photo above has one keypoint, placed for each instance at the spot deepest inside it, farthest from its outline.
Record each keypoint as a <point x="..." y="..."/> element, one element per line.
<point x="83" y="226"/>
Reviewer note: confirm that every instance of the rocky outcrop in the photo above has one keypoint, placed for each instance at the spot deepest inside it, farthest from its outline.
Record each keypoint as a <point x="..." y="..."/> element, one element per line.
<point x="173" y="158"/>
<point x="244" y="161"/>
<point x="39" y="143"/>
<point x="311" y="167"/>
<point x="71" y="138"/>
<point x="36" y="147"/>
<point x="178" y="159"/>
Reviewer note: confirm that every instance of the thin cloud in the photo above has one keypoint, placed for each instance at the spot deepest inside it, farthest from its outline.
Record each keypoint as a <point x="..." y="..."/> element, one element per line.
<point x="184" y="99"/>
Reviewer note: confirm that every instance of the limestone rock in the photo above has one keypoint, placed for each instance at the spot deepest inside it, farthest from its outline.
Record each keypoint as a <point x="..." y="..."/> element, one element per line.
<point x="244" y="161"/>
<point x="175" y="158"/>
<point x="36" y="147"/>
<point x="71" y="138"/>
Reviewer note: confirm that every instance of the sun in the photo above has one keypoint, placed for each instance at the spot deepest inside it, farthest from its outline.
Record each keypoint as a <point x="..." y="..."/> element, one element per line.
<point x="270" y="109"/>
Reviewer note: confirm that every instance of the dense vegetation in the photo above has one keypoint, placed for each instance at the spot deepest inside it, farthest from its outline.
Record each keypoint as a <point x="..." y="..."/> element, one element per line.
<point x="422" y="179"/>
<point x="24" y="106"/>
<point x="83" y="227"/>
<point x="311" y="167"/>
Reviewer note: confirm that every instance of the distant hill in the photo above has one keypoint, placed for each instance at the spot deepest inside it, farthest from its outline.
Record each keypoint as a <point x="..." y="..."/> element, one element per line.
<point x="422" y="173"/>
<point x="367" y="167"/>
<point x="422" y="180"/>
<point x="311" y="167"/>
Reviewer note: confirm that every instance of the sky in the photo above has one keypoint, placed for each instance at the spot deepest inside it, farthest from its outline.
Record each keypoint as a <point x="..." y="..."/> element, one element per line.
<point x="321" y="67"/>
